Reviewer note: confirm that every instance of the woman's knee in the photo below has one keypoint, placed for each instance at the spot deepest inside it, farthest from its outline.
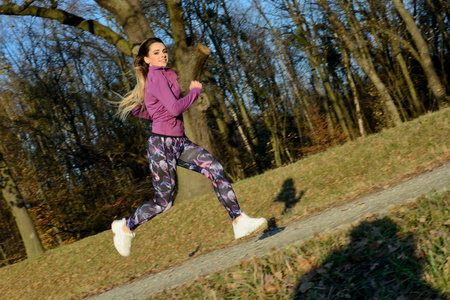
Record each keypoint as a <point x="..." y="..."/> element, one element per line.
<point x="159" y="209"/>
<point x="216" y="168"/>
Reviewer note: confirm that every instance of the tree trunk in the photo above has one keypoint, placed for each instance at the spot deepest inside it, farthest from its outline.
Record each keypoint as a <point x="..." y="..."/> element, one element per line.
<point x="426" y="62"/>
<point x="23" y="219"/>
<point x="189" y="61"/>
<point x="416" y="104"/>
<point x="354" y="90"/>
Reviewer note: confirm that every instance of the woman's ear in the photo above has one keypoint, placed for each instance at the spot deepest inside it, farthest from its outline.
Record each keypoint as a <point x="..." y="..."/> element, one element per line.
<point x="147" y="60"/>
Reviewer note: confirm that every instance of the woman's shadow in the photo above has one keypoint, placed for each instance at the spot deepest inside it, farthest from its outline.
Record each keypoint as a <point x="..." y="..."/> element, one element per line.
<point x="376" y="264"/>
<point x="289" y="196"/>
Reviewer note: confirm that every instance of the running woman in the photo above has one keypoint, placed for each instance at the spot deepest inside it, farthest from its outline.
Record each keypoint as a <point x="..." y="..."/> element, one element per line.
<point x="157" y="97"/>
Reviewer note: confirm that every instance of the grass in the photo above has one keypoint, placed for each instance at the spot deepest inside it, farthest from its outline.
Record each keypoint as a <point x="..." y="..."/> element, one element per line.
<point x="283" y="195"/>
<point x="404" y="255"/>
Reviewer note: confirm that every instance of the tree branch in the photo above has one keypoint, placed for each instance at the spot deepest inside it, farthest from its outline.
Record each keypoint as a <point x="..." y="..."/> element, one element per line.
<point x="67" y="18"/>
<point x="395" y="36"/>
<point x="26" y="4"/>
<point x="131" y="17"/>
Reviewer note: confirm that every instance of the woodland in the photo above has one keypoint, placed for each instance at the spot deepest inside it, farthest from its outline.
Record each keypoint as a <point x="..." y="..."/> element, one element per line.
<point x="282" y="79"/>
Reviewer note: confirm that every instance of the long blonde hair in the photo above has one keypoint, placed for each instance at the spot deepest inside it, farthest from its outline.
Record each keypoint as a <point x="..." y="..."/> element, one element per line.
<point x="136" y="96"/>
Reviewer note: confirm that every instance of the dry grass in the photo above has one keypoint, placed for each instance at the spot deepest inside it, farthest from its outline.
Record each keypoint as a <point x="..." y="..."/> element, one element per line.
<point x="291" y="192"/>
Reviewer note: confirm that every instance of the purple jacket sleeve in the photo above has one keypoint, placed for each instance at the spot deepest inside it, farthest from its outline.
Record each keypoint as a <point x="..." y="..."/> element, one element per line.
<point x="161" y="90"/>
<point x="144" y="114"/>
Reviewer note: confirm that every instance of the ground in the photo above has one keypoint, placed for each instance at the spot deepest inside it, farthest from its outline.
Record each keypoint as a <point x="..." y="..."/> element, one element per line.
<point x="324" y="222"/>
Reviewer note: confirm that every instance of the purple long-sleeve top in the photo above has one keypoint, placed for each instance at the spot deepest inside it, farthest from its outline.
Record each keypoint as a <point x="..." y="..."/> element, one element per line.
<point x="163" y="103"/>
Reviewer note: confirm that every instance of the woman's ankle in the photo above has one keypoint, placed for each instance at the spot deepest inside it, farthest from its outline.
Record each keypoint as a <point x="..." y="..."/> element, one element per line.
<point x="236" y="220"/>
<point x="126" y="229"/>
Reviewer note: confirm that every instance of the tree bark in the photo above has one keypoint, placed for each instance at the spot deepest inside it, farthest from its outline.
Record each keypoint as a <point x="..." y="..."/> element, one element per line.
<point x="416" y="104"/>
<point x="426" y="62"/>
<point x="359" y="115"/>
<point x="23" y="219"/>
<point x="131" y="17"/>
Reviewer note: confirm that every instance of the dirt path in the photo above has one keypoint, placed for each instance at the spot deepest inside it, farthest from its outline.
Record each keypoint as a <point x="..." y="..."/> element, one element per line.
<point x="297" y="232"/>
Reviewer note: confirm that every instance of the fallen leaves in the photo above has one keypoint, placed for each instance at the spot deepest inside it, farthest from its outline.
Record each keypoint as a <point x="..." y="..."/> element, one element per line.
<point x="306" y="264"/>
<point x="269" y="284"/>
<point x="435" y="233"/>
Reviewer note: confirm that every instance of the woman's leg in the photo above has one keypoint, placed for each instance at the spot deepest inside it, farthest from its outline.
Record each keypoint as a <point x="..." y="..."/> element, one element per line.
<point x="200" y="160"/>
<point x="162" y="153"/>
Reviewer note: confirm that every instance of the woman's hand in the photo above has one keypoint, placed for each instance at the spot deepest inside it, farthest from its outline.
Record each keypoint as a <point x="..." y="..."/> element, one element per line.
<point x="195" y="84"/>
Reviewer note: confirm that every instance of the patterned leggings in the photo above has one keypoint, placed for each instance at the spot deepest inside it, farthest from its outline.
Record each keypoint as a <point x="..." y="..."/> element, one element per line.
<point x="164" y="154"/>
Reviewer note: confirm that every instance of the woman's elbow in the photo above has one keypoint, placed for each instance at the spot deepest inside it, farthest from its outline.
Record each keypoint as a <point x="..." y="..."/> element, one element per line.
<point x="175" y="111"/>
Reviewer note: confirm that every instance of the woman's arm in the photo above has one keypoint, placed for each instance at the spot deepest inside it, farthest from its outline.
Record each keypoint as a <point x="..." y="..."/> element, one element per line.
<point x="159" y="87"/>
<point x="141" y="114"/>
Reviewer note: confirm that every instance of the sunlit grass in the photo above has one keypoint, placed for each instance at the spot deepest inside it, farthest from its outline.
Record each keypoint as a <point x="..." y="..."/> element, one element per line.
<point x="196" y="226"/>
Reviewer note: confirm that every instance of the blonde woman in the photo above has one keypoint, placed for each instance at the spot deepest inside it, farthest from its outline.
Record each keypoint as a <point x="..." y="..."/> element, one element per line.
<point x="157" y="97"/>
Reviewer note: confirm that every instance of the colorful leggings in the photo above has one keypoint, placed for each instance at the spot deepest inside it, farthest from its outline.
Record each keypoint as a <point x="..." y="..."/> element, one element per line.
<point x="164" y="154"/>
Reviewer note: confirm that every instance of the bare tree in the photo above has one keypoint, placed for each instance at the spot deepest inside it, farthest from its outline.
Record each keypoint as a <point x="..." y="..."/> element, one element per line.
<point x="15" y="201"/>
<point x="425" y="61"/>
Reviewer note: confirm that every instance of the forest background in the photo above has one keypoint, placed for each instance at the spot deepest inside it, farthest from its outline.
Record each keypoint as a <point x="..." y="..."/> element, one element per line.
<point x="282" y="79"/>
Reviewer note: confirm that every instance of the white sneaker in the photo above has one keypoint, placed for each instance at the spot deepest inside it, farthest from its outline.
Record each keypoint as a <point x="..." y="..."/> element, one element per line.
<point x="247" y="225"/>
<point x="122" y="239"/>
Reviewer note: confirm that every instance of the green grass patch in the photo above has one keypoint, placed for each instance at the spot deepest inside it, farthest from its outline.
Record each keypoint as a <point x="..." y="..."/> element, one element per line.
<point x="404" y="255"/>
<point x="199" y="225"/>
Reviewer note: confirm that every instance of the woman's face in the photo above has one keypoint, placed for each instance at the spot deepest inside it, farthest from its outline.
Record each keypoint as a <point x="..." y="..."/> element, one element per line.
<point x="157" y="55"/>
